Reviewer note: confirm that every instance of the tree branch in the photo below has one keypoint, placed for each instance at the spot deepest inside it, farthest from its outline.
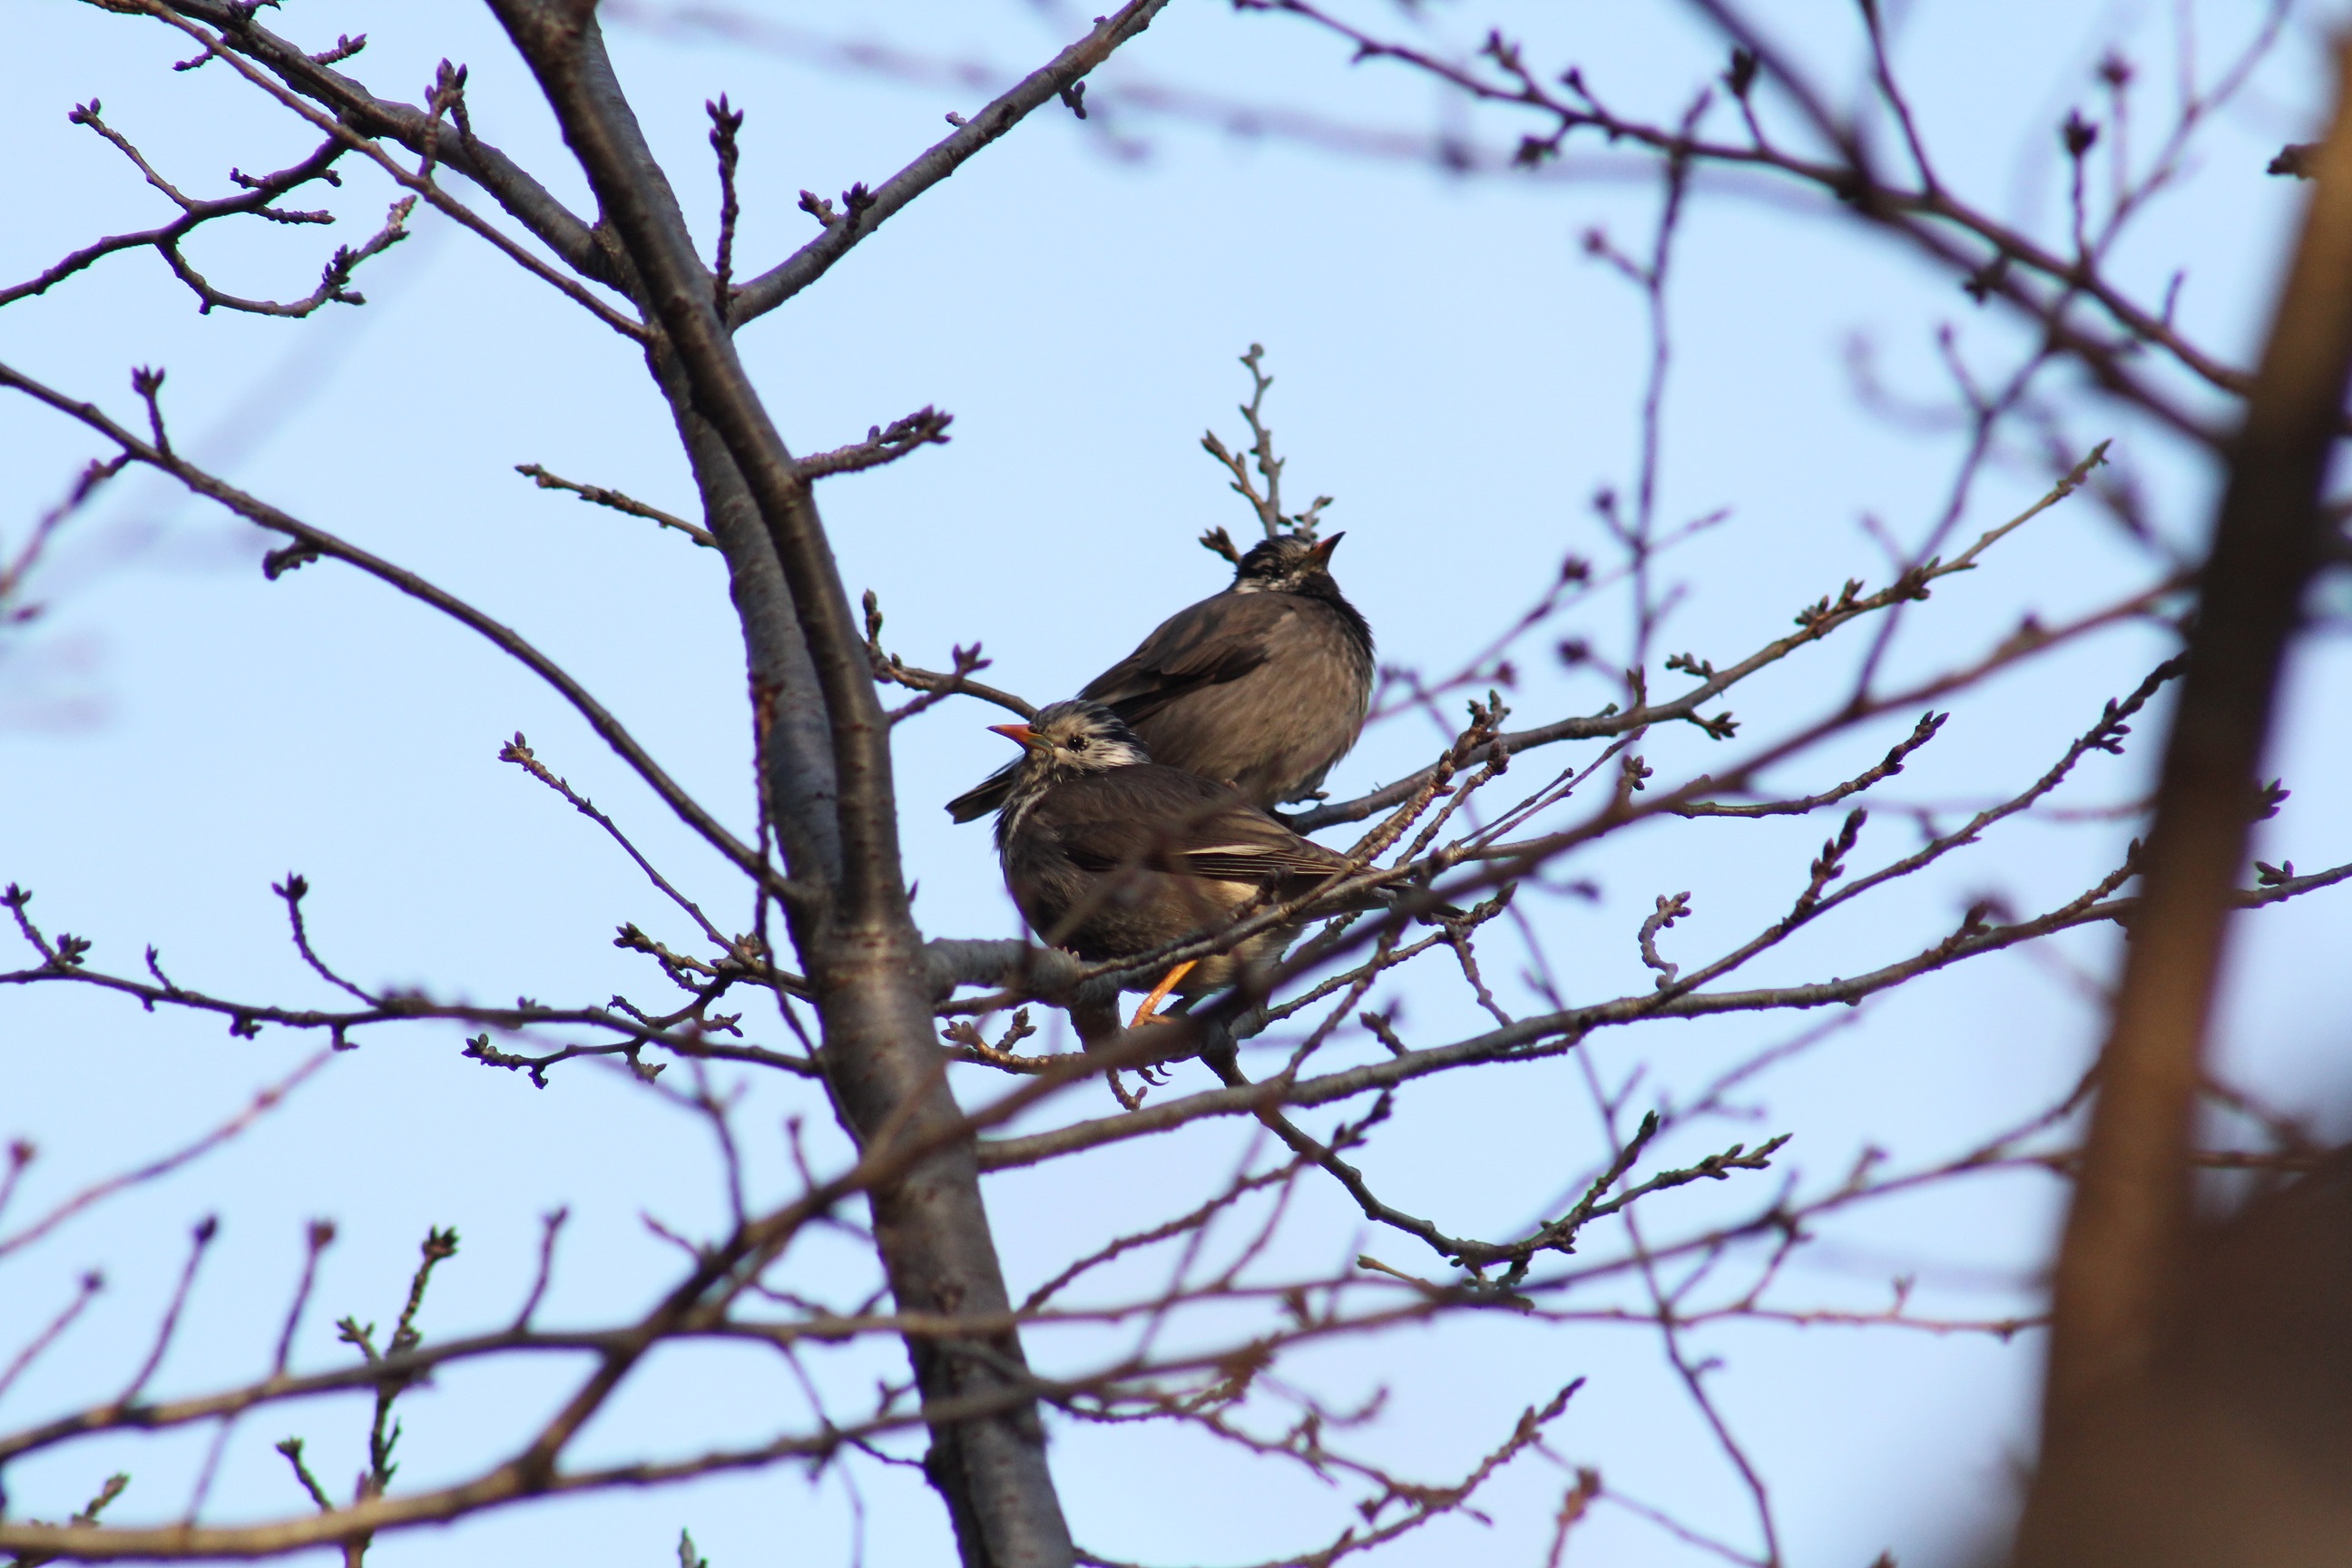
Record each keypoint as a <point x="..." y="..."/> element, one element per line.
<point x="523" y="197"/>
<point x="863" y="955"/>
<point x="1039" y="88"/>
<point x="1814" y="623"/>
<point x="2120" y="1263"/>
<point x="597" y="495"/>
<point x="310" y="543"/>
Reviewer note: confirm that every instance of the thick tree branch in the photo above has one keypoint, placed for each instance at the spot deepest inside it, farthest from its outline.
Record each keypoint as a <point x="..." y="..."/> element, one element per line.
<point x="862" y="952"/>
<point x="2120" y="1263"/>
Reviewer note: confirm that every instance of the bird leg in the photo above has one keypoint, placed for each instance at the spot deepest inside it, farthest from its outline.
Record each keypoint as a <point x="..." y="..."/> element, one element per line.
<point x="1144" y="1015"/>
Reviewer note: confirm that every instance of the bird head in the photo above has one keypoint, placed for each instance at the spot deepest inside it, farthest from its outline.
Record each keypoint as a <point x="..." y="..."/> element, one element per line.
<point x="1074" y="737"/>
<point x="1286" y="565"/>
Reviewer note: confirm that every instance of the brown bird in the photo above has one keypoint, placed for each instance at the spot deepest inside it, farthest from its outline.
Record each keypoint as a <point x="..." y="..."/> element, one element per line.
<point x="1264" y="686"/>
<point x="1109" y="854"/>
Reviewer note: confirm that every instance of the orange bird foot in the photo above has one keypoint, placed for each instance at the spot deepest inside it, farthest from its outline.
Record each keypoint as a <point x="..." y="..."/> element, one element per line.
<point x="1146" y="1013"/>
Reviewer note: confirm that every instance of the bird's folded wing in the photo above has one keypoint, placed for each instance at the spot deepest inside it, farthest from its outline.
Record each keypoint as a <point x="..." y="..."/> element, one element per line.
<point x="1260" y="863"/>
<point x="1172" y="821"/>
<point x="1243" y="844"/>
<point x="1210" y="643"/>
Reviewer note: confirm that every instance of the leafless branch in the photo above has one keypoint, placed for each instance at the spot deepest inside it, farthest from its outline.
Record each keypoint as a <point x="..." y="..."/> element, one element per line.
<point x="872" y="209"/>
<point x="599" y="496"/>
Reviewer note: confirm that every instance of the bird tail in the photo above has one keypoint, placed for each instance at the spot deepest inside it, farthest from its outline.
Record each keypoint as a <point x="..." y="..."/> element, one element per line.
<point x="984" y="796"/>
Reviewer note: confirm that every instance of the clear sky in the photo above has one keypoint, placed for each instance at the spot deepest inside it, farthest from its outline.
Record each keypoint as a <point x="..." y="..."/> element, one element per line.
<point x="176" y="733"/>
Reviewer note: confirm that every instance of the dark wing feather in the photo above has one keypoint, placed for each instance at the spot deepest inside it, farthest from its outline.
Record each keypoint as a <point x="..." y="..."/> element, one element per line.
<point x="1221" y="638"/>
<point x="1253" y="854"/>
<point x="986" y="796"/>
<point x="1170" y="820"/>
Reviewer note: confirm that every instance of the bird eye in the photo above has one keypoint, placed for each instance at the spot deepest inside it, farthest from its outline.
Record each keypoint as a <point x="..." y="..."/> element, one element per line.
<point x="1077" y="743"/>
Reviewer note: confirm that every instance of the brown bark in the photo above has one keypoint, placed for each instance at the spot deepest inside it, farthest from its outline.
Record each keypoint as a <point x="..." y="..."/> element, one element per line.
<point x="857" y="941"/>
<point x="2119" y="1266"/>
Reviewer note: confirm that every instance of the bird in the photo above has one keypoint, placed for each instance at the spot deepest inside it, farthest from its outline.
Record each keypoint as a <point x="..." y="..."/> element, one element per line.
<point x="1111" y="854"/>
<point x="1264" y="686"/>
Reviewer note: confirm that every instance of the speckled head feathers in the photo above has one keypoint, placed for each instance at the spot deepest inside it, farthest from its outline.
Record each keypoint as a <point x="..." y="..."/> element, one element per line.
<point x="1286" y="565"/>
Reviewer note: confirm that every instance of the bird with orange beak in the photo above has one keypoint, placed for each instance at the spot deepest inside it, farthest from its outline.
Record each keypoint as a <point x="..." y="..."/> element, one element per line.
<point x="1263" y="687"/>
<point x="1111" y="854"/>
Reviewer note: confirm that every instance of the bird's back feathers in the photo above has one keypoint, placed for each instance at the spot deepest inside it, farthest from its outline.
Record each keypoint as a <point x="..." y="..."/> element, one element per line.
<point x="1262" y="690"/>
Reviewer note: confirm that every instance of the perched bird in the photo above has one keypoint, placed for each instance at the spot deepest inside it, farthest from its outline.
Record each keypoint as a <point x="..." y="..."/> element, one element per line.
<point x="1110" y="855"/>
<point x="1264" y="686"/>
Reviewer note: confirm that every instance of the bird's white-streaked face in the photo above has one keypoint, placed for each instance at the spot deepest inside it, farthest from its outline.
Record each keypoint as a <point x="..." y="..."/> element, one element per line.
<point x="1076" y="737"/>
<point x="1065" y="739"/>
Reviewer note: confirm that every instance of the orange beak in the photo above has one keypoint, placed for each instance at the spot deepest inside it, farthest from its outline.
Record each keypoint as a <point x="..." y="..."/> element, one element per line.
<point x="1321" y="553"/>
<point x="1019" y="734"/>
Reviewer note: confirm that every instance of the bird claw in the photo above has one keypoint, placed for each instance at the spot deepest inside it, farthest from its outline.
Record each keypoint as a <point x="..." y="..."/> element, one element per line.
<point x="1153" y="1073"/>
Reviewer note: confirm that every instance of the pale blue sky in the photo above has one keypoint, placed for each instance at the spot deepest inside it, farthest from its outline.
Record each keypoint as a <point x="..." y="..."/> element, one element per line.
<point x="178" y="733"/>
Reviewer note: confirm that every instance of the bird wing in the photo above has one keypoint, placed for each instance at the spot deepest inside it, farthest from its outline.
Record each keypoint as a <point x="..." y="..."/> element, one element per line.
<point x="1221" y="638"/>
<point x="1170" y="820"/>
